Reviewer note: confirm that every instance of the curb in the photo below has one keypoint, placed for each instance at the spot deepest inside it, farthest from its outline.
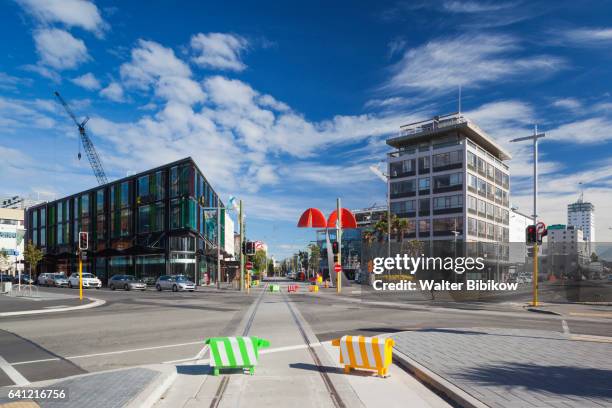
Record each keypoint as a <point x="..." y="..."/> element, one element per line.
<point x="439" y="384"/>
<point x="535" y="310"/>
<point x="149" y="396"/>
<point x="94" y="303"/>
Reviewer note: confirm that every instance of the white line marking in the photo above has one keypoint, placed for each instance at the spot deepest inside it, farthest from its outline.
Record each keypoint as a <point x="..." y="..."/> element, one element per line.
<point x="13" y="374"/>
<point x="566" y="330"/>
<point x="44" y="360"/>
<point x="134" y="350"/>
<point x="95" y="303"/>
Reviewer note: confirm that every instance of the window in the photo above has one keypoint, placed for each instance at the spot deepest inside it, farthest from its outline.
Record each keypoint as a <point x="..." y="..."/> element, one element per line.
<point x="447" y="159"/>
<point x="505" y="216"/>
<point x="120" y="195"/>
<point x="403" y="188"/>
<point x="505" y="180"/>
<point x="498" y="195"/>
<point x="182" y="181"/>
<point x="482" y="187"/>
<point x="451" y="201"/>
<point x="85" y="205"/>
<point x="183" y="213"/>
<point x="472" y="204"/>
<point x="424" y="184"/>
<point x="472" y="182"/>
<point x="490" y="171"/>
<point x="490" y="233"/>
<point x="424" y="206"/>
<point x="472" y="162"/>
<point x="490" y="211"/>
<point x="445" y="141"/>
<point x="481" y="165"/>
<point x="100" y="201"/>
<point x="444" y="226"/>
<point x="121" y="222"/>
<point x="424" y="228"/>
<point x="403" y="207"/>
<point x="472" y="226"/>
<point x="482" y="228"/>
<point x="151" y="218"/>
<point x="498" y="176"/>
<point x="482" y="208"/>
<point x="448" y="180"/>
<point x="424" y="164"/>
<point x="400" y="168"/>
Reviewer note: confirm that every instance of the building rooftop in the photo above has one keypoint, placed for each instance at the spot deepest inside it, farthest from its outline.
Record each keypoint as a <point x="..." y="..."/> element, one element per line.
<point x="439" y="125"/>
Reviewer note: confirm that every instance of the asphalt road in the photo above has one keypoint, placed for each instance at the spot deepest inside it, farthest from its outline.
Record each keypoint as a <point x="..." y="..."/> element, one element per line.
<point x="135" y="328"/>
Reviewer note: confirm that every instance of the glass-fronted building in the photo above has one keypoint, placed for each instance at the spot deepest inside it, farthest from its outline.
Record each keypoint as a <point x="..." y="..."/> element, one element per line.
<point x="153" y="223"/>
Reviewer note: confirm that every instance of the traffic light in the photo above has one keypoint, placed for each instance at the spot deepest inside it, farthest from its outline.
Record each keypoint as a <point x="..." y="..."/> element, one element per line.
<point x="529" y="252"/>
<point x="542" y="234"/>
<point x="250" y="248"/>
<point x="531" y="235"/>
<point x="83" y="241"/>
<point x="335" y="247"/>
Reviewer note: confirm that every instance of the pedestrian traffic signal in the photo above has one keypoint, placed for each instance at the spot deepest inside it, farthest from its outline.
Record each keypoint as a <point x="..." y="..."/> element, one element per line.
<point x="335" y="247"/>
<point x="531" y="235"/>
<point x="529" y="252"/>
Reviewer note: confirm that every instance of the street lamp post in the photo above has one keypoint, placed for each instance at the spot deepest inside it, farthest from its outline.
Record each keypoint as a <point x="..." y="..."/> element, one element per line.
<point x="535" y="138"/>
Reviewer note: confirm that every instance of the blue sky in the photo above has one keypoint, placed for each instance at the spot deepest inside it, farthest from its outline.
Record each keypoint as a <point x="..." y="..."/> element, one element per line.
<point x="287" y="105"/>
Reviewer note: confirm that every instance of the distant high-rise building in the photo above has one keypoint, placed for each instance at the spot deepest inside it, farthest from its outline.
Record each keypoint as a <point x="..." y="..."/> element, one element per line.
<point x="582" y="215"/>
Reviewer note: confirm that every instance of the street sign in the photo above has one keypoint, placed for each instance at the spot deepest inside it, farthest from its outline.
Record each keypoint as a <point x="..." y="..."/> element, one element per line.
<point x="337" y="268"/>
<point x="249" y="265"/>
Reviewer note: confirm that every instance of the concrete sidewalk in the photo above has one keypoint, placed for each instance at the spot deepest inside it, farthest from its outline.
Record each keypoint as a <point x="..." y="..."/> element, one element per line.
<point x="510" y="367"/>
<point x="132" y="388"/>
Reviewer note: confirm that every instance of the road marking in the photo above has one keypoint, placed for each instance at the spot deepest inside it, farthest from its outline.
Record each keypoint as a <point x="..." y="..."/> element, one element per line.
<point x="95" y="303"/>
<point x="54" y="307"/>
<point x="13" y="374"/>
<point x="566" y="330"/>
<point x="608" y="315"/>
<point x="44" y="360"/>
<point x="134" y="350"/>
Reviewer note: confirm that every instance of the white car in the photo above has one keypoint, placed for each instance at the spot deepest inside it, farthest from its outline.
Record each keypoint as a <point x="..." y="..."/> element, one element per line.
<point x="89" y="281"/>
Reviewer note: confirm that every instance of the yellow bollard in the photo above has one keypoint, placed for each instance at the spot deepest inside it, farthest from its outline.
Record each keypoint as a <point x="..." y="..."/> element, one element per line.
<point x="370" y="353"/>
<point x="313" y="288"/>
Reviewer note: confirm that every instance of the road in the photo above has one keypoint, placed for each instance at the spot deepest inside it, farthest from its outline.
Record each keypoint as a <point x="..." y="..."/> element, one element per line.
<point x="135" y="328"/>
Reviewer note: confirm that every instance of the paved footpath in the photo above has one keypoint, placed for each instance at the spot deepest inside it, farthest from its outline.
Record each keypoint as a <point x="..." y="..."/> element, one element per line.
<point x="516" y="368"/>
<point x="288" y="374"/>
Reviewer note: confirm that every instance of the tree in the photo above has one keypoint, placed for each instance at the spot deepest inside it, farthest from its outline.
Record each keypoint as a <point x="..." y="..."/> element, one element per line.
<point x="4" y="261"/>
<point x="368" y="236"/>
<point x="315" y="257"/>
<point x="32" y="255"/>
<point x="270" y="268"/>
<point x="399" y="226"/>
<point x="414" y="248"/>
<point x="260" y="260"/>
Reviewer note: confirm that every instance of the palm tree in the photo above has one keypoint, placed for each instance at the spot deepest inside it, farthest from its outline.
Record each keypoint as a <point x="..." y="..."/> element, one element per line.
<point x="399" y="226"/>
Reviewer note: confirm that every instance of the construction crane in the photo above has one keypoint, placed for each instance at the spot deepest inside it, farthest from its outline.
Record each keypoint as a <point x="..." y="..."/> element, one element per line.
<point x="88" y="146"/>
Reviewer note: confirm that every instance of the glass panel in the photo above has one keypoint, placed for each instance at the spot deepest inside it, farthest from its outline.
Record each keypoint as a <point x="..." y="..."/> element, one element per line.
<point x="85" y="205"/>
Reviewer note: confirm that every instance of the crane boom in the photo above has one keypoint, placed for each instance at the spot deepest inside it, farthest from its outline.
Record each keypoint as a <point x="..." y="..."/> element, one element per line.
<point x="90" y="150"/>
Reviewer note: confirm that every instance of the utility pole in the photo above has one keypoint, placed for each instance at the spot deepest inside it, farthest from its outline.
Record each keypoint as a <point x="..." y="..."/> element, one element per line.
<point x="339" y="239"/>
<point x="241" y="223"/>
<point x="218" y="246"/>
<point x="534" y="138"/>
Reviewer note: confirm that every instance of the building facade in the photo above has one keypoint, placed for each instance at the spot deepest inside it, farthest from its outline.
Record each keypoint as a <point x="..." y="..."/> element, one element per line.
<point x="582" y="215"/>
<point x="161" y="221"/>
<point x="566" y="250"/>
<point x="448" y="178"/>
<point x="12" y="234"/>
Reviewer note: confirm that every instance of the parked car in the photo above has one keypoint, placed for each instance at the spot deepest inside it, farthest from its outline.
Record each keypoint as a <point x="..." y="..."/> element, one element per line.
<point x="89" y="281"/>
<point x="25" y="279"/>
<point x="127" y="282"/>
<point x="42" y="279"/>
<point x="174" y="283"/>
<point x="6" y="277"/>
<point x="57" y="279"/>
<point x="149" y="280"/>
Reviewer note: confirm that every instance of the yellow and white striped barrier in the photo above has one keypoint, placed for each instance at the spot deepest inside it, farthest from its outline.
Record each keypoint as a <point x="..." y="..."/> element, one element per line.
<point x="313" y="288"/>
<point x="371" y="353"/>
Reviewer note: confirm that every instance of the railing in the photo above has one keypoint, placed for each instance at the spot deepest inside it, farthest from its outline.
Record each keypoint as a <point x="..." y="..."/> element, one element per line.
<point x="23" y="290"/>
<point x="431" y="125"/>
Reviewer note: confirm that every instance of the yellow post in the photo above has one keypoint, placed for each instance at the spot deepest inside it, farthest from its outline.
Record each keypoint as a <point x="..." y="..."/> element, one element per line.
<point x="535" y="274"/>
<point x="80" y="276"/>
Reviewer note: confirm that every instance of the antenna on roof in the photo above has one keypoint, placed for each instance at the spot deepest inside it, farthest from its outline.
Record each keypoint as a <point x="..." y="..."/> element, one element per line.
<point x="581" y="199"/>
<point x="459" y="102"/>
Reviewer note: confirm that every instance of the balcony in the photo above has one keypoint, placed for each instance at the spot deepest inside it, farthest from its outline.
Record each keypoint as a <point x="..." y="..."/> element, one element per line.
<point x="431" y="125"/>
<point x="403" y="194"/>
<point x="457" y="187"/>
<point x="403" y="174"/>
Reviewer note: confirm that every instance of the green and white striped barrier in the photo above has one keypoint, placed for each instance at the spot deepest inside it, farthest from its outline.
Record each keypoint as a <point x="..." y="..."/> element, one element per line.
<point x="235" y="352"/>
<point x="274" y="288"/>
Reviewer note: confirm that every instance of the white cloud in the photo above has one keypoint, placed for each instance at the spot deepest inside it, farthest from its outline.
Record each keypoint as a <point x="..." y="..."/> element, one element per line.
<point x="568" y="103"/>
<point x="591" y="130"/>
<point x="587" y="36"/>
<point x="179" y="89"/>
<point x="475" y="6"/>
<point x="468" y="60"/>
<point x="59" y="49"/>
<point x="151" y="61"/>
<point x="219" y="51"/>
<point x="87" y="81"/>
<point x="10" y="83"/>
<point x="16" y="115"/>
<point x="72" y="13"/>
<point x="114" y="92"/>
<point x="44" y="72"/>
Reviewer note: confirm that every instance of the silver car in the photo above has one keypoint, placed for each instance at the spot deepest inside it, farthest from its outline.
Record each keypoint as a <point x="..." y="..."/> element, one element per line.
<point x="127" y="282"/>
<point x="174" y="283"/>
<point x="58" y="280"/>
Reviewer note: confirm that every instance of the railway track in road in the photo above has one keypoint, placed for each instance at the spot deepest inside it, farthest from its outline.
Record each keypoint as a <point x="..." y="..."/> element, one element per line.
<point x="331" y="389"/>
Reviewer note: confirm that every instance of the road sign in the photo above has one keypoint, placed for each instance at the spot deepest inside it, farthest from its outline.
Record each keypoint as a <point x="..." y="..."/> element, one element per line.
<point x="249" y="265"/>
<point x="337" y="268"/>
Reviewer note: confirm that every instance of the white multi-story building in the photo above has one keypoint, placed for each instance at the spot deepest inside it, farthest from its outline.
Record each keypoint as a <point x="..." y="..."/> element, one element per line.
<point x="518" y="226"/>
<point x="582" y="215"/>
<point x="448" y="178"/>
<point x="566" y="248"/>
<point x="12" y="234"/>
